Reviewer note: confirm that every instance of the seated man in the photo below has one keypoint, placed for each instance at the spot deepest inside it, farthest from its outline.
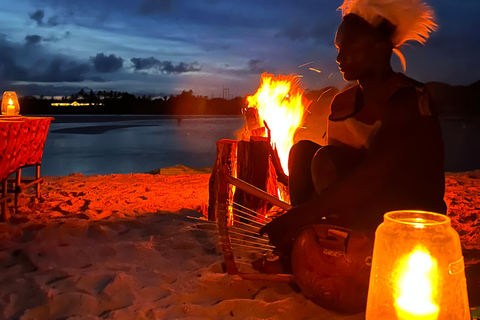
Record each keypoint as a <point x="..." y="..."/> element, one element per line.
<point x="385" y="150"/>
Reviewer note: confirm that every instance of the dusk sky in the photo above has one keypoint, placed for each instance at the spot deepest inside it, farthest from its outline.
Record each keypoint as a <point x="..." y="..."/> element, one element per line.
<point x="161" y="47"/>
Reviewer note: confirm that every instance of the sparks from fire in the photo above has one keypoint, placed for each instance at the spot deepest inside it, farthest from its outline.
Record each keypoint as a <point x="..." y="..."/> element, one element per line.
<point x="305" y="64"/>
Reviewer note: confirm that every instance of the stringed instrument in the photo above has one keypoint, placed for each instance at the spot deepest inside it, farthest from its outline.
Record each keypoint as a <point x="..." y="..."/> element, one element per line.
<point x="330" y="264"/>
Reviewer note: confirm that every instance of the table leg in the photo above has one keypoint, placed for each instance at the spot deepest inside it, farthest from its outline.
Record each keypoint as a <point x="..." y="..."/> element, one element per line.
<point x="16" y="189"/>
<point x="37" y="176"/>
<point x="4" y="215"/>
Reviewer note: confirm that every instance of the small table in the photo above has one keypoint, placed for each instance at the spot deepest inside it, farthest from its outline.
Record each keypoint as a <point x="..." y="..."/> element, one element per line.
<point x="21" y="145"/>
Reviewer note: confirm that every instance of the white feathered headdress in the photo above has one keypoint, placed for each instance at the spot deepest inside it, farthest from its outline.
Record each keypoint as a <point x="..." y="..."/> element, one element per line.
<point x="413" y="19"/>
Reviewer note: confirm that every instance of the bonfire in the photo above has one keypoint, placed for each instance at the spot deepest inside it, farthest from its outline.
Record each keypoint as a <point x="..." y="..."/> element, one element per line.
<point x="282" y="108"/>
<point x="260" y="155"/>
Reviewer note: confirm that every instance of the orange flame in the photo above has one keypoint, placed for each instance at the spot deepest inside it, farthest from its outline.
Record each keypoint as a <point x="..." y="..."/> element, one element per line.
<point x="281" y="104"/>
<point x="416" y="291"/>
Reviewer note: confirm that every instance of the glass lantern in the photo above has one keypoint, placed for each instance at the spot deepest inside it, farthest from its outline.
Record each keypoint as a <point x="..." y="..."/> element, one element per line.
<point x="10" y="106"/>
<point x="417" y="269"/>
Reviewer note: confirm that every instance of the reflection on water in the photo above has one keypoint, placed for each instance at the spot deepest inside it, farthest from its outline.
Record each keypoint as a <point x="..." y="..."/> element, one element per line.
<point x="140" y="144"/>
<point x="136" y="146"/>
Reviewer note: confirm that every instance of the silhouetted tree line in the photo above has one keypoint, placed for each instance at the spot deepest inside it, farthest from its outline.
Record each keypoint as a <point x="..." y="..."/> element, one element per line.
<point x="115" y="102"/>
<point x="447" y="100"/>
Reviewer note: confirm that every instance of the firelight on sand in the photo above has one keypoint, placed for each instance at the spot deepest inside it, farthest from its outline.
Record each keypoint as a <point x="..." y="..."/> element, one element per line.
<point x="281" y="105"/>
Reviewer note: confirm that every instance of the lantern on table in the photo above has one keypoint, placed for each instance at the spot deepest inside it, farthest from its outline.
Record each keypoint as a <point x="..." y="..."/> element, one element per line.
<point x="417" y="269"/>
<point x="10" y="106"/>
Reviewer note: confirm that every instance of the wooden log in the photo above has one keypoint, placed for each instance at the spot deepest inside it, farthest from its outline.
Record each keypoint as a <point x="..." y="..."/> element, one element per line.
<point x="221" y="209"/>
<point x="255" y="167"/>
<point x="226" y="155"/>
<point x="242" y="185"/>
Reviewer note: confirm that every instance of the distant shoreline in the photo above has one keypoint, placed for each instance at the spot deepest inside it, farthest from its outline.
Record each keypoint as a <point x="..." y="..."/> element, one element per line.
<point x="72" y="118"/>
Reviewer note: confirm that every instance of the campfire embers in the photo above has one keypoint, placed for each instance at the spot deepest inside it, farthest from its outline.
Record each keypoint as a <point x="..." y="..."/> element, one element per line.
<point x="260" y="156"/>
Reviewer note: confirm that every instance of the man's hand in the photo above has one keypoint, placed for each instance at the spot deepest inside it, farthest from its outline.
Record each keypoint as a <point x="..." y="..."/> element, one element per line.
<point x="284" y="228"/>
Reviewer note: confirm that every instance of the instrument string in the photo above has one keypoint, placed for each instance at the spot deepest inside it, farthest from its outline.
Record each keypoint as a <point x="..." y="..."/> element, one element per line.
<point x="250" y="247"/>
<point x="243" y="207"/>
<point x="253" y="213"/>
<point x="258" y="239"/>
<point x="254" y="228"/>
<point x="248" y="219"/>
<point x="260" y="245"/>
<point x="243" y="230"/>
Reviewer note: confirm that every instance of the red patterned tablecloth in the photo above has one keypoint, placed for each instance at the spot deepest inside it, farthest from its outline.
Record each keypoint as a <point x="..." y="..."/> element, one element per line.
<point x="21" y="142"/>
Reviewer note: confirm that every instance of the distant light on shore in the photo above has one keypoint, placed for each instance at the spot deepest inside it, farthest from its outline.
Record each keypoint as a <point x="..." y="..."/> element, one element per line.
<point x="75" y="104"/>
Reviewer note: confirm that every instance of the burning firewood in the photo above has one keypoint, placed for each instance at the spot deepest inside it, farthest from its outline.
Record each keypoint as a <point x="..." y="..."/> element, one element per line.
<point x="260" y="157"/>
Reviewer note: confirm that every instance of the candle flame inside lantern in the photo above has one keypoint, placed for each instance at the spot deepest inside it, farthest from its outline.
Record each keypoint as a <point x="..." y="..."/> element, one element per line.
<point x="10" y="101"/>
<point x="416" y="287"/>
<point x="281" y="104"/>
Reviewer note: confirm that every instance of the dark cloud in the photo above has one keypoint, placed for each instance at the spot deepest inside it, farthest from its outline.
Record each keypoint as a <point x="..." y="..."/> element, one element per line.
<point x="61" y="70"/>
<point x="52" y="21"/>
<point x="57" y="70"/>
<point x="182" y="67"/>
<point x="46" y="90"/>
<point x="256" y="66"/>
<point x="148" y="7"/>
<point x="107" y="64"/>
<point x="42" y="68"/>
<point x="55" y="38"/>
<point x="38" y="16"/>
<point x="32" y="39"/>
<point x="164" y="66"/>
<point x="145" y="63"/>
<point x="9" y="70"/>
<point x="253" y="67"/>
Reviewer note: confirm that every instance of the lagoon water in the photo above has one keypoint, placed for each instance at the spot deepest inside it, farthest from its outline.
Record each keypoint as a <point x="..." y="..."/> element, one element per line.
<point x="132" y="144"/>
<point x="138" y="144"/>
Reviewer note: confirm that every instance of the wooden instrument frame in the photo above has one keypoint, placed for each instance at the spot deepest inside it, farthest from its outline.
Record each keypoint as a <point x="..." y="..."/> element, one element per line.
<point x="223" y="179"/>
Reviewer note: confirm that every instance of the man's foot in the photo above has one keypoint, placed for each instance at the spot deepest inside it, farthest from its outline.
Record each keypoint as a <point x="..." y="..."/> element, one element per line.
<point x="268" y="265"/>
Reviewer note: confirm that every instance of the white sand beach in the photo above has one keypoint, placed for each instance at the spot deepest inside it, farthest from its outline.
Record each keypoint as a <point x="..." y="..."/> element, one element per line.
<point x="132" y="247"/>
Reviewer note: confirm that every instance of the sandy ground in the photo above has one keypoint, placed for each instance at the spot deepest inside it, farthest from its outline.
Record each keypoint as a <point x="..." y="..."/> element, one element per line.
<point x="133" y="247"/>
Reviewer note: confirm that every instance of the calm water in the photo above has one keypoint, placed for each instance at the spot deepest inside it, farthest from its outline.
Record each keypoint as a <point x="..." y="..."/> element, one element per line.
<point x="136" y="146"/>
<point x="125" y="144"/>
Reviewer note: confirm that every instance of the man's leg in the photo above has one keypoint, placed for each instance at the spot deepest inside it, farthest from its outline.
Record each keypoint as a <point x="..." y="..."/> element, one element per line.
<point x="331" y="163"/>
<point x="300" y="180"/>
